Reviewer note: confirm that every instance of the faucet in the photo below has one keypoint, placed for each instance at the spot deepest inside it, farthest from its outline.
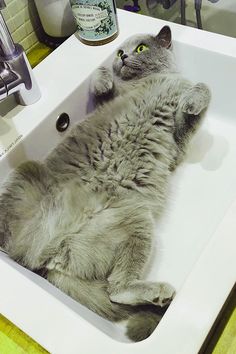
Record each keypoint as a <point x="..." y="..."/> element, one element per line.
<point x="16" y="74"/>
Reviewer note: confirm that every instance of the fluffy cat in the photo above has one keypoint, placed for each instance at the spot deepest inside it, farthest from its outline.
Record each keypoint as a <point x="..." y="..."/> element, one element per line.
<point x="85" y="216"/>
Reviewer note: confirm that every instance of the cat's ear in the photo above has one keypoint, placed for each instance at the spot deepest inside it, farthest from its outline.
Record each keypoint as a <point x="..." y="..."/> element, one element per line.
<point x="164" y="37"/>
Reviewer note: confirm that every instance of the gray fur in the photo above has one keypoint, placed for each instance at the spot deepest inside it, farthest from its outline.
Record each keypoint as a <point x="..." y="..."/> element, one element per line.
<point x="85" y="216"/>
<point x="142" y="323"/>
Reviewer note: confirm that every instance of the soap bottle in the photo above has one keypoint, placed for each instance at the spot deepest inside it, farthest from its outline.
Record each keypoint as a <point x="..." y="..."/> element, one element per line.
<point x="96" y="20"/>
<point x="56" y="17"/>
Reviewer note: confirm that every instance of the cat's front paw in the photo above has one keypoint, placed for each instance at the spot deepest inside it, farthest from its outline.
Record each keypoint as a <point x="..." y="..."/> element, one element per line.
<point x="102" y="82"/>
<point x="196" y="99"/>
<point x="191" y="107"/>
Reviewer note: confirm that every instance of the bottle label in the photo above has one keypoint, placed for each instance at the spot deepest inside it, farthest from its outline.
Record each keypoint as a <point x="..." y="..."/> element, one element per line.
<point x="96" y="20"/>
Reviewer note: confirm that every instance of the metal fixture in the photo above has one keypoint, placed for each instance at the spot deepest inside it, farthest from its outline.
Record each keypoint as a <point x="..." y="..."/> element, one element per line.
<point x="63" y="122"/>
<point x="16" y="75"/>
<point x="182" y="12"/>
<point x="198" y="7"/>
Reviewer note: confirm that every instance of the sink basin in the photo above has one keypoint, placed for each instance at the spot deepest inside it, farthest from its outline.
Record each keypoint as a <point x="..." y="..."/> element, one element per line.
<point x="196" y="237"/>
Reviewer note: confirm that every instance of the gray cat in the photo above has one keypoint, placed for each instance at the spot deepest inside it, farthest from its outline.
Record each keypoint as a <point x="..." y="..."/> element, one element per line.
<point x="85" y="216"/>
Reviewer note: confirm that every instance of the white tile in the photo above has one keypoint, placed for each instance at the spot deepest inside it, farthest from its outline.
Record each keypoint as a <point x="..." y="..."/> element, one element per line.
<point x="12" y="8"/>
<point x="16" y="37"/>
<point x="11" y="25"/>
<point x="21" y="32"/>
<point x="29" y="41"/>
<point x="17" y="17"/>
<point x="21" y="4"/>
<point x="6" y="14"/>
<point x="28" y="27"/>
<point x="25" y="13"/>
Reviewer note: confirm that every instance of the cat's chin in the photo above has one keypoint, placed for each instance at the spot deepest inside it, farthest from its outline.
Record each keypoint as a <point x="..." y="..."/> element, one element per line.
<point x="126" y="72"/>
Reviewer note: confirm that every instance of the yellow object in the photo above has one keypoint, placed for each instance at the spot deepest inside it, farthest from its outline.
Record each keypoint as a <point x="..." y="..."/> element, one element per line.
<point x="223" y="338"/>
<point x="226" y="343"/>
<point x="15" y="341"/>
<point x="37" y="54"/>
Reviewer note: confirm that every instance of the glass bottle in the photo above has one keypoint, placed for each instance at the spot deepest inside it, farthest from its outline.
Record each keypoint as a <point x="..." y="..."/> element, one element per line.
<point x="96" y="20"/>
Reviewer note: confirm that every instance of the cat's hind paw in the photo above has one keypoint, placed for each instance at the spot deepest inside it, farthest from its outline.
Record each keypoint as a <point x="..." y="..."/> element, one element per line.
<point x="141" y="293"/>
<point x="164" y="294"/>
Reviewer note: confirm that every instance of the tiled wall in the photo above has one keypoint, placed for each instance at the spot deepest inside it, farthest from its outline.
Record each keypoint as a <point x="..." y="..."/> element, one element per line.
<point x="22" y="21"/>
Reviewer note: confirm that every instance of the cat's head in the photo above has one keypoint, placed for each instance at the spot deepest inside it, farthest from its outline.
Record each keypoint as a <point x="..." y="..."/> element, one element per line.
<point x="143" y="55"/>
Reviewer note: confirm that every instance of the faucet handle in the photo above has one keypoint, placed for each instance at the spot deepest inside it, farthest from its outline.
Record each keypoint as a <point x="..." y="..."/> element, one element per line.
<point x="2" y="4"/>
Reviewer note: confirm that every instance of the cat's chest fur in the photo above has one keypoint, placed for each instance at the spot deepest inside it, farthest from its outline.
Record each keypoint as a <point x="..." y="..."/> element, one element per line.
<point x="127" y="144"/>
<point x="159" y="86"/>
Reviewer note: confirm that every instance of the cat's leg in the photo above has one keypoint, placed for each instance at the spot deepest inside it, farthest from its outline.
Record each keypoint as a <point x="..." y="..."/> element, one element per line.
<point x="23" y="213"/>
<point x="195" y="100"/>
<point x="94" y="295"/>
<point x="192" y="104"/>
<point x="102" y="85"/>
<point x="90" y="293"/>
<point x="125" y="285"/>
<point x="144" y="292"/>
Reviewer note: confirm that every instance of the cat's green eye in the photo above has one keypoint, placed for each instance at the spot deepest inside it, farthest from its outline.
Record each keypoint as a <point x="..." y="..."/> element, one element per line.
<point x="141" y="48"/>
<point x="120" y="53"/>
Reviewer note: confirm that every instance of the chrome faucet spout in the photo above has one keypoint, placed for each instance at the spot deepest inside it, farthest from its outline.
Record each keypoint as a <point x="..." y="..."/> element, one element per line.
<point x="16" y="75"/>
<point x="6" y="43"/>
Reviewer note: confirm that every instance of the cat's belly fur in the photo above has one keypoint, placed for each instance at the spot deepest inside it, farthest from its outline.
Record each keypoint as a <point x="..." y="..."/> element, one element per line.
<point x="87" y="233"/>
<point x="123" y="150"/>
<point x="127" y="144"/>
<point x="130" y="154"/>
<point x="121" y="154"/>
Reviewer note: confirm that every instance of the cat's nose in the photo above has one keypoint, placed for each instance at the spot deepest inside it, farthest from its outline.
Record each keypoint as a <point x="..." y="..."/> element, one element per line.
<point x="124" y="56"/>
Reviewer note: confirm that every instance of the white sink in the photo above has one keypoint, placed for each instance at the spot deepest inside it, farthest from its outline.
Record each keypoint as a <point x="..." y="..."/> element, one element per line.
<point x="196" y="239"/>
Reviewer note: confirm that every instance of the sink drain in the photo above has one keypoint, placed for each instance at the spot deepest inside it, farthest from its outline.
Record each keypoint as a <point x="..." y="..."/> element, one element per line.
<point x="63" y="122"/>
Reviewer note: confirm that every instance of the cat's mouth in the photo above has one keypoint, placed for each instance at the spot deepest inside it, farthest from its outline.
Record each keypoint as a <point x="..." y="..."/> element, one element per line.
<point x="127" y="65"/>
<point x="131" y="64"/>
<point x="129" y="68"/>
<point x="123" y="63"/>
<point x="126" y="68"/>
<point x="127" y="72"/>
